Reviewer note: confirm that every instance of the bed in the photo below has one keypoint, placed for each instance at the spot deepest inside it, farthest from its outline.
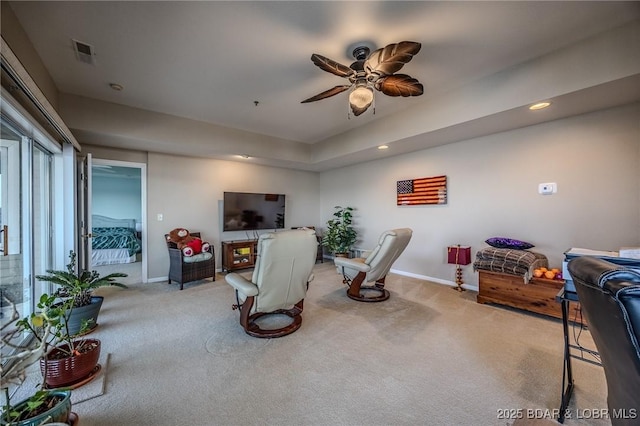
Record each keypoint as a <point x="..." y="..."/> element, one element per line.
<point x="114" y="240"/>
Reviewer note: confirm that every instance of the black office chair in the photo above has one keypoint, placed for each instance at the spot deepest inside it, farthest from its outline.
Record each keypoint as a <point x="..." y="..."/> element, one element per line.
<point x="610" y="299"/>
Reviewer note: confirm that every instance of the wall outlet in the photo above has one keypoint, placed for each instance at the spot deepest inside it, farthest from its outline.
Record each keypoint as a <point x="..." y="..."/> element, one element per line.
<point x="160" y="217"/>
<point x="547" y="188"/>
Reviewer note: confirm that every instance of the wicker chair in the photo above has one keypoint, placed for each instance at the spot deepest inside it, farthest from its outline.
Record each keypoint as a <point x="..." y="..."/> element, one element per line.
<point x="183" y="271"/>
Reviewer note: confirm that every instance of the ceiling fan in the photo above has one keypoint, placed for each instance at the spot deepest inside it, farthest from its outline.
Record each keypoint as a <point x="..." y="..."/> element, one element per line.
<point x="372" y="71"/>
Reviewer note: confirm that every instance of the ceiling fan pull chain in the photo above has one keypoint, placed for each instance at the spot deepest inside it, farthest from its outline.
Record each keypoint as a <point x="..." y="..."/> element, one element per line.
<point x="374" y="101"/>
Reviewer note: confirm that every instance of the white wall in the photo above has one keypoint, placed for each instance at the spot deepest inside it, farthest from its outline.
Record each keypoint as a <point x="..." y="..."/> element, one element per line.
<point x="492" y="191"/>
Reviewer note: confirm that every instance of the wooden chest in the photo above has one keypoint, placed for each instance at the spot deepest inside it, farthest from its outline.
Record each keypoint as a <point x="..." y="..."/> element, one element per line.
<point x="538" y="296"/>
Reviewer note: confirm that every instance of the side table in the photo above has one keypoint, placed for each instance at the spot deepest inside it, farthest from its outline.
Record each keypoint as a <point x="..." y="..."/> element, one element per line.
<point x="565" y="297"/>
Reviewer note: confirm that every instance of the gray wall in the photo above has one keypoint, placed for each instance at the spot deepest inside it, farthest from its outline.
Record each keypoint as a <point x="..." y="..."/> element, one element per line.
<point x="21" y="46"/>
<point x="492" y="180"/>
<point x="188" y="193"/>
<point x="492" y="191"/>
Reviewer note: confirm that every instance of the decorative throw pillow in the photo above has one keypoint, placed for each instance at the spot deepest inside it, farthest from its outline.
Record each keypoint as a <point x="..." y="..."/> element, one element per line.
<point x="502" y="242"/>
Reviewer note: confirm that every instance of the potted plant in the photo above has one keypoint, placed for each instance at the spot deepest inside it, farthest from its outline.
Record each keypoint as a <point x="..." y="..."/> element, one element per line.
<point x="16" y="357"/>
<point x="340" y="235"/>
<point x="79" y="288"/>
<point x="71" y="361"/>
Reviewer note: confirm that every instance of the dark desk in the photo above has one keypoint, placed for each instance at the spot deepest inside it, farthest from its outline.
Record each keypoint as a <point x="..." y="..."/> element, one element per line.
<point x="571" y="350"/>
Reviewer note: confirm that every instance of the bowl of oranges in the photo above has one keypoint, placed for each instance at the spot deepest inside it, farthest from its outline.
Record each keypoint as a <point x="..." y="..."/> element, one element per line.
<point x="550" y="274"/>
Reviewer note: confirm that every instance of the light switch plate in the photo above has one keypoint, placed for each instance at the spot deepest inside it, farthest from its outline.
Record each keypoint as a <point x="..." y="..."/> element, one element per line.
<point x="547" y="188"/>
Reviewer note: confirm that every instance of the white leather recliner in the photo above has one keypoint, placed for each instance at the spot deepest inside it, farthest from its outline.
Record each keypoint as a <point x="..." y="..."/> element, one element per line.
<point x="374" y="268"/>
<point x="282" y="273"/>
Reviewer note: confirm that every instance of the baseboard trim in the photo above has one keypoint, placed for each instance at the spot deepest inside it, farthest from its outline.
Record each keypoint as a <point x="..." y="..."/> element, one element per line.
<point x="395" y="271"/>
<point x="433" y="279"/>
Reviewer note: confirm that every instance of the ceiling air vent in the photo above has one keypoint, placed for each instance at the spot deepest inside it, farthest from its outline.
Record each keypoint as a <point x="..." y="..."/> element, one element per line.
<point x="84" y="52"/>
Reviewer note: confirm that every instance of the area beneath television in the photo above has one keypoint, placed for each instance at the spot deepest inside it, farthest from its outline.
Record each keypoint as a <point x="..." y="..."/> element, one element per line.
<point x="239" y="254"/>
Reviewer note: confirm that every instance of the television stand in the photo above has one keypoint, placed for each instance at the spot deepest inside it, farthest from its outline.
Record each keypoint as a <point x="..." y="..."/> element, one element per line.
<point x="239" y="254"/>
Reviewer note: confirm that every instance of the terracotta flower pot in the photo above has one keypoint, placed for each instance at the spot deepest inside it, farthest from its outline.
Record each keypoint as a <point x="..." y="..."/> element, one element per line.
<point x="71" y="369"/>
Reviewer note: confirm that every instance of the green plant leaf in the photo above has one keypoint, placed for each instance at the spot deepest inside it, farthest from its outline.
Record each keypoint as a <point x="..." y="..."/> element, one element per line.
<point x="340" y="235"/>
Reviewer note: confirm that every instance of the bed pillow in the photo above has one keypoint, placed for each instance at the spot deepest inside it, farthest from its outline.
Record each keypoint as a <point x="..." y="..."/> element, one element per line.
<point x="510" y="243"/>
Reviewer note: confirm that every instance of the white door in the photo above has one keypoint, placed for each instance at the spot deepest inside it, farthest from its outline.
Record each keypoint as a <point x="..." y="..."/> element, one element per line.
<point x="84" y="206"/>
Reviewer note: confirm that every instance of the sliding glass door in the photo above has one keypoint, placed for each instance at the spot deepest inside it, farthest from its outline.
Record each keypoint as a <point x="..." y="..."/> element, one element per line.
<point x="13" y="276"/>
<point x="26" y="188"/>
<point x="42" y="214"/>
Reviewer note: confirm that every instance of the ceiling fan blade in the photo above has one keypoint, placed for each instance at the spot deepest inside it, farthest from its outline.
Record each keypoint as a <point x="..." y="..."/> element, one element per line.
<point x="331" y="66"/>
<point x="391" y="58"/>
<point x="327" y="94"/>
<point x="399" y="85"/>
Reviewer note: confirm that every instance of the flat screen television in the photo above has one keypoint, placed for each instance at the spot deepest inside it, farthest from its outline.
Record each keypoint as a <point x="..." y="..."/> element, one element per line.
<point x="243" y="211"/>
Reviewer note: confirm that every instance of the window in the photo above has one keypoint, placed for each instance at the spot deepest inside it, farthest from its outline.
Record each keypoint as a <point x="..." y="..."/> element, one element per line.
<point x="26" y="214"/>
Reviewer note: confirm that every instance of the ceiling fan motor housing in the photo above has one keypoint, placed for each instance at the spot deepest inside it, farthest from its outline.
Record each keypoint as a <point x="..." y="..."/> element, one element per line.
<point x="361" y="53"/>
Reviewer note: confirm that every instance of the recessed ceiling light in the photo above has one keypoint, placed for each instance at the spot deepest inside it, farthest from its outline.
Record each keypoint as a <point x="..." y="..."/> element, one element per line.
<point x="539" y="105"/>
<point x="117" y="87"/>
<point x="383" y="147"/>
<point x="246" y="157"/>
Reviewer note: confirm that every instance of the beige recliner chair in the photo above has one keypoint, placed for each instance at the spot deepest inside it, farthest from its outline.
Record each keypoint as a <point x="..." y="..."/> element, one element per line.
<point x="279" y="283"/>
<point x="374" y="268"/>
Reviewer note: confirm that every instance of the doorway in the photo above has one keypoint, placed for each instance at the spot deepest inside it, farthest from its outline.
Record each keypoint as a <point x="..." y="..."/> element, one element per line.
<point x="117" y="201"/>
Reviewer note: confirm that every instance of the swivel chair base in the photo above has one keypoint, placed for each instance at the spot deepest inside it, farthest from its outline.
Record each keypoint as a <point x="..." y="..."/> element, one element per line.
<point x="250" y="326"/>
<point x="358" y="292"/>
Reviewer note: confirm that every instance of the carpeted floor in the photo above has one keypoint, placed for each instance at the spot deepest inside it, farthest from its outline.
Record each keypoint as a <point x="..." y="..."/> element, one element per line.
<point x="133" y="271"/>
<point x="429" y="355"/>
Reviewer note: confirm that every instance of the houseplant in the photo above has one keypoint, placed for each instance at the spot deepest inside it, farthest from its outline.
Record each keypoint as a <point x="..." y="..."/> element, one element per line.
<point x="66" y="360"/>
<point x="340" y="235"/>
<point x="16" y="357"/>
<point x="79" y="288"/>
<point x="70" y="360"/>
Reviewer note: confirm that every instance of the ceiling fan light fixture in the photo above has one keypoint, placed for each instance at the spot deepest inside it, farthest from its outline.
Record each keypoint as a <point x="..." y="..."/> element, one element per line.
<point x="361" y="97"/>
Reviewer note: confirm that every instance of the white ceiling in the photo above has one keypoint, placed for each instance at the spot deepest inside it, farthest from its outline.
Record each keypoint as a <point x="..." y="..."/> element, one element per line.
<point x="210" y="61"/>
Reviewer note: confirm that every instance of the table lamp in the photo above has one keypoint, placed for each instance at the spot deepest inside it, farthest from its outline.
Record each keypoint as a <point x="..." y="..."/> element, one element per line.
<point x="457" y="255"/>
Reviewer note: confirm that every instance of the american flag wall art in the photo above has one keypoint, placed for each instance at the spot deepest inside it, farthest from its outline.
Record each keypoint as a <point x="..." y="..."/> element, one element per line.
<point x="431" y="190"/>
